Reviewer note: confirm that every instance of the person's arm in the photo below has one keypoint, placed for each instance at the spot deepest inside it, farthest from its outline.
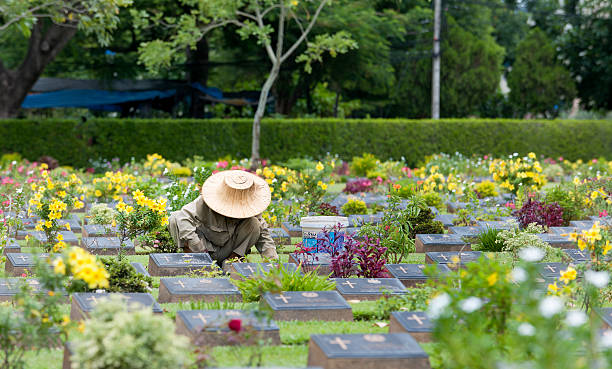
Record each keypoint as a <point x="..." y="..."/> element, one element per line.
<point x="187" y="222"/>
<point x="265" y="244"/>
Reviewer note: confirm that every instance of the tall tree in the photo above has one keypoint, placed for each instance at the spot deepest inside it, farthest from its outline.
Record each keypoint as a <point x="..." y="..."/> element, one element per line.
<point x="538" y="83"/>
<point x="49" y="25"/>
<point x="266" y="21"/>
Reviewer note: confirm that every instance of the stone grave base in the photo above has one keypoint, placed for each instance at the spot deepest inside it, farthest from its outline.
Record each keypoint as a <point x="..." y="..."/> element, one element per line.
<point x="216" y="338"/>
<point x="396" y="327"/>
<point x="330" y="315"/>
<point x="157" y="271"/>
<point x="316" y="357"/>
<point x="421" y="248"/>
<point x="321" y="269"/>
<point x="16" y="271"/>
<point x="111" y="251"/>
<point x="165" y="296"/>
<point x="363" y="296"/>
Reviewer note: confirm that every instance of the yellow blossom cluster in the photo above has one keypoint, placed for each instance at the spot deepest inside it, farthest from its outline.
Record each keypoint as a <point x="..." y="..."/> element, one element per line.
<point x="82" y="265"/>
<point x="434" y="181"/>
<point x="511" y="174"/>
<point x="112" y="185"/>
<point x="278" y="178"/>
<point x="157" y="206"/>
<point x="591" y="239"/>
<point x="156" y="164"/>
<point x="565" y="276"/>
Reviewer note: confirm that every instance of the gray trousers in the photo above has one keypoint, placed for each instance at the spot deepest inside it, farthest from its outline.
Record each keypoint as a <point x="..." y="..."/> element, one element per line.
<point x="244" y="236"/>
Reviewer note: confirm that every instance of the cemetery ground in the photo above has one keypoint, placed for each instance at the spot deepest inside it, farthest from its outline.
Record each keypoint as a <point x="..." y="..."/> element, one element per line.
<point x="473" y="238"/>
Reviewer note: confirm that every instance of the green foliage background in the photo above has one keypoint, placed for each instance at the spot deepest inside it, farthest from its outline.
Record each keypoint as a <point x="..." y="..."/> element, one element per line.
<point x="73" y="142"/>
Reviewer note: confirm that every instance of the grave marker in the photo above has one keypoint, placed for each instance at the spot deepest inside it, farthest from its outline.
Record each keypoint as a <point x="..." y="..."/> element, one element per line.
<point x="11" y="286"/>
<point x="556" y="240"/>
<point x="210" y="327"/>
<point x="319" y="261"/>
<point x="107" y="246"/>
<point x="75" y="224"/>
<point x="357" y="220"/>
<point x="469" y="232"/>
<point x="140" y="269"/>
<point x="99" y="230"/>
<point x="411" y="275"/>
<point x="368" y="288"/>
<point x="578" y="256"/>
<point x="292" y="230"/>
<point x="247" y="270"/>
<point x="440" y="242"/>
<point x="551" y="271"/>
<point x="83" y="303"/>
<point x="308" y="305"/>
<point x="562" y="230"/>
<point x="280" y="236"/>
<point x="583" y="224"/>
<point x="446" y="219"/>
<point x="20" y="263"/>
<point x="366" y="351"/>
<point x="454" y="206"/>
<point x="416" y="323"/>
<point x="497" y="224"/>
<point x="205" y="289"/>
<point x="69" y="237"/>
<point x="12" y="246"/>
<point x="449" y="258"/>
<point x="167" y="265"/>
<point x="606" y="317"/>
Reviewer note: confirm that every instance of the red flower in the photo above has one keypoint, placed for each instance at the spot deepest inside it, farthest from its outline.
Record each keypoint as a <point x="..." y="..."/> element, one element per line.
<point x="235" y="325"/>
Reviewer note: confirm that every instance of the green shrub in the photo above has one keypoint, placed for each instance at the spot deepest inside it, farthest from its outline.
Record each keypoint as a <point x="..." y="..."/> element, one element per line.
<point x="6" y="159"/>
<point x="407" y="188"/>
<point x="118" y="339"/>
<point x="73" y="142"/>
<point x="279" y="279"/>
<point x="571" y="204"/>
<point x="354" y="206"/>
<point x="415" y="299"/>
<point x="124" y="277"/>
<point x="486" y="189"/>
<point x="487" y="240"/>
<point x="433" y="199"/>
<point x="360" y="166"/>
<point x="101" y="214"/>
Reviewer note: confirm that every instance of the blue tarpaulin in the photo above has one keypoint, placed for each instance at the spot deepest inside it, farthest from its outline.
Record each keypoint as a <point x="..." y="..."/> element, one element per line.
<point x="91" y="99"/>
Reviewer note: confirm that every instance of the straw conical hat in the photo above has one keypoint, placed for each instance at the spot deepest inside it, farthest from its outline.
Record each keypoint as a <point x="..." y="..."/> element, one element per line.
<point x="236" y="194"/>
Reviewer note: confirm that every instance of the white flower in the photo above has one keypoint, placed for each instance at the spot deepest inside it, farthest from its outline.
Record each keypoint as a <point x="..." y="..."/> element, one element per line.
<point x="550" y="306"/>
<point x="575" y="318"/>
<point x="437" y="305"/>
<point x="526" y="329"/>
<point x="531" y="254"/>
<point x="597" y="279"/>
<point x="165" y="171"/>
<point x="606" y="340"/>
<point x="518" y="275"/>
<point x="470" y="304"/>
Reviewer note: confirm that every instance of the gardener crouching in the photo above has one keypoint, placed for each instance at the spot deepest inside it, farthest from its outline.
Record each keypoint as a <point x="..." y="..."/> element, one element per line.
<point x="225" y="220"/>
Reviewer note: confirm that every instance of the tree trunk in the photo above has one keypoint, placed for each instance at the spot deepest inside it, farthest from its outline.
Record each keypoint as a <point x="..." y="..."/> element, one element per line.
<point x="261" y="109"/>
<point x="198" y="72"/>
<point x="44" y="45"/>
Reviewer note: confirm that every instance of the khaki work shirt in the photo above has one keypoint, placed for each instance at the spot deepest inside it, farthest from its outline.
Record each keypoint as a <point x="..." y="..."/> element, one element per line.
<point x="196" y="218"/>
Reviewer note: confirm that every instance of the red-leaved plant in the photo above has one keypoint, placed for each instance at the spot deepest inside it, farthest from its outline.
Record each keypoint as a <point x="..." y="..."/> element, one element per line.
<point x="534" y="211"/>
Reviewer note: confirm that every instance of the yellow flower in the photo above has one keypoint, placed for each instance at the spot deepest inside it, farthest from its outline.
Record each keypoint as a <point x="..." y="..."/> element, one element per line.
<point x="594" y="195"/>
<point x="51" y="293"/>
<point x="62" y="194"/>
<point x="568" y="275"/>
<point x="67" y="225"/>
<point x="60" y="237"/>
<point x="81" y="327"/>
<point x="98" y="193"/>
<point x="552" y="288"/>
<point x="48" y="224"/>
<point x="492" y="279"/>
<point x="607" y="248"/>
<point x="531" y="155"/>
<point x="59" y="267"/>
<point x="319" y="167"/>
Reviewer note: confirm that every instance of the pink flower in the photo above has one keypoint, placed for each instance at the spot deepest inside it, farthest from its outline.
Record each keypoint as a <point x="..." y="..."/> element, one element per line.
<point x="379" y="179"/>
<point x="594" y="161"/>
<point x="91" y="170"/>
<point x="64" y="174"/>
<point x="222" y="164"/>
<point x="20" y="169"/>
<point x="560" y="158"/>
<point x="407" y="172"/>
<point x="485" y="157"/>
<point x="510" y="205"/>
<point x="264" y="162"/>
<point x="23" y="275"/>
<point x="235" y="325"/>
<point x="603" y="213"/>
<point x="31" y="179"/>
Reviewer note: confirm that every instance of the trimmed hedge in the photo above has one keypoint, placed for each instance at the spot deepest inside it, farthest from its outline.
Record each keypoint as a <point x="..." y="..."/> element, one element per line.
<point x="74" y="142"/>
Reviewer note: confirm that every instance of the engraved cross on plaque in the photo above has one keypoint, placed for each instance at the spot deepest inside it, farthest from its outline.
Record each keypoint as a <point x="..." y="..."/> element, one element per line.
<point x="94" y="299"/>
<point x="179" y="282"/>
<point x="23" y="258"/>
<point x="349" y="283"/>
<point x="416" y="318"/>
<point x="165" y="257"/>
<point x="284" y="298"/>
<point x="340" y="342"/>
<point x="444" y="257"/>
<point x="550" y="268"/>
<point x="250" y="268"/>
<point x="403" y="270"/>
<point x="201" y="317"/>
